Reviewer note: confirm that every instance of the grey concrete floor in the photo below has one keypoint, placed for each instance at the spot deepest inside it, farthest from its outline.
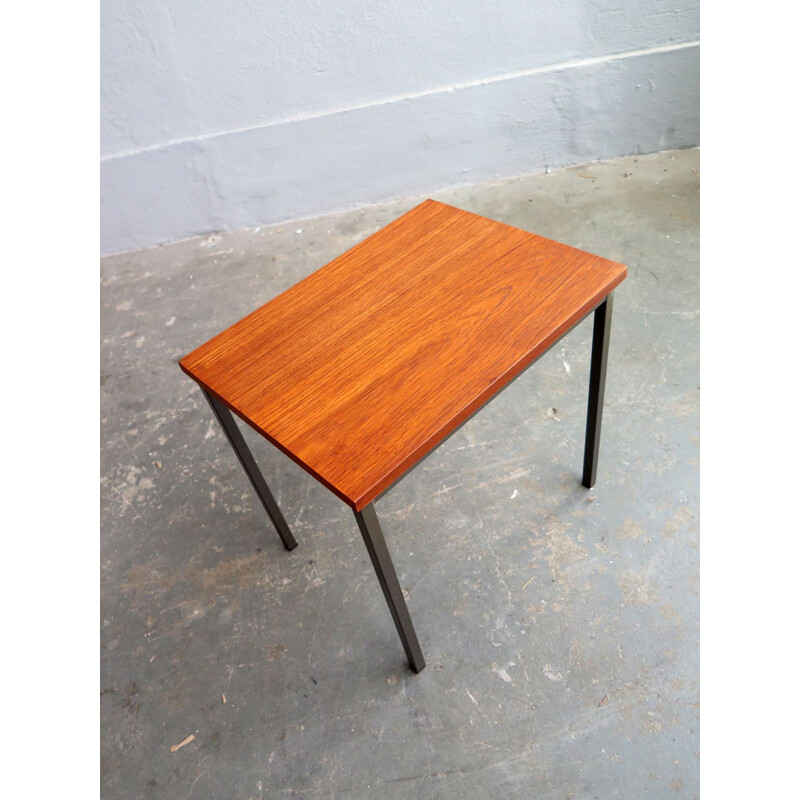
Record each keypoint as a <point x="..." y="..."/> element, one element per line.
<point x="560" y="626"/>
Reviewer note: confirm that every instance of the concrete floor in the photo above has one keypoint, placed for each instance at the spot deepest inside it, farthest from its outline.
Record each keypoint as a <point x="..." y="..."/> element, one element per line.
<point x="560" y="626"/>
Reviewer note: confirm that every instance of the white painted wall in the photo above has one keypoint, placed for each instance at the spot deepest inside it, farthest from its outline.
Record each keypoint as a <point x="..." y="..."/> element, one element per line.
<point x="228" y="113"/>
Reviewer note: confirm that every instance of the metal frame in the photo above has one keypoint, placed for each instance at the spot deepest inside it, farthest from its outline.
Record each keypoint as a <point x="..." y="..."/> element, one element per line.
<point x="247" y="461"/>
<point x="597" y="386"/>
<point x="370" y="529"/>
<point x="367" y="518"/>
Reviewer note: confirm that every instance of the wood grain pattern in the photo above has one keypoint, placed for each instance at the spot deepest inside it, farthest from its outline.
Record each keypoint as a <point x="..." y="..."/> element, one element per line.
<point x="362" y="368"/>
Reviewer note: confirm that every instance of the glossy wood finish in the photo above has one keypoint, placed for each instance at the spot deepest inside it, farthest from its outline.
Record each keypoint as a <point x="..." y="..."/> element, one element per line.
<point x="361" y="369"/>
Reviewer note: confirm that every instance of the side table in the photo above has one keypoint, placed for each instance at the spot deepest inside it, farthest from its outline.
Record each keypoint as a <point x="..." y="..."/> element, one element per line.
<point x="363" y="368"/>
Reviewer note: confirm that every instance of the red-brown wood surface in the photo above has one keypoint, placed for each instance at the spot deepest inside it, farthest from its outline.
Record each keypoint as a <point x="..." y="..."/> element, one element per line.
<point x="362" y="368"/>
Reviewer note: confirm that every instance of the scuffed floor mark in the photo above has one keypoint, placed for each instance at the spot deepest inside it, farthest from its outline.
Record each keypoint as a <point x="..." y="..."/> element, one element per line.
<point x="277" y="652"/>
<point x="502" y="672"/>
<point x="557" y="548"/>
<point x="512" y="476"/>
<point x="636" y="589"/>
<point x="682" y="517"/>
<point x="631" y="530"/>
<point x="552" y="674"/>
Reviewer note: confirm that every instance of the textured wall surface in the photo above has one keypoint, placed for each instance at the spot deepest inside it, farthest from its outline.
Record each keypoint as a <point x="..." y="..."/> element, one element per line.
<point x="225" y="113"/>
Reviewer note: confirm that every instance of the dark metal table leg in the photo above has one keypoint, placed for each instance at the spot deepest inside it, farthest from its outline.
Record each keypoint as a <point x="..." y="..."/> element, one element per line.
<point x="597" y="385"/>
<point x="251" y="468"/>
<point x="376" y="545"/>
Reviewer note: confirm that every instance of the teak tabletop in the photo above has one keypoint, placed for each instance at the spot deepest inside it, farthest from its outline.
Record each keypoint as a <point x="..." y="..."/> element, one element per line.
<point x="360" y="370"/>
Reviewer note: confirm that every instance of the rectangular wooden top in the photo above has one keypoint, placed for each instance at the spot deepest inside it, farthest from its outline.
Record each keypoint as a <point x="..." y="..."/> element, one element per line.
<point x="363" y="367"/>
